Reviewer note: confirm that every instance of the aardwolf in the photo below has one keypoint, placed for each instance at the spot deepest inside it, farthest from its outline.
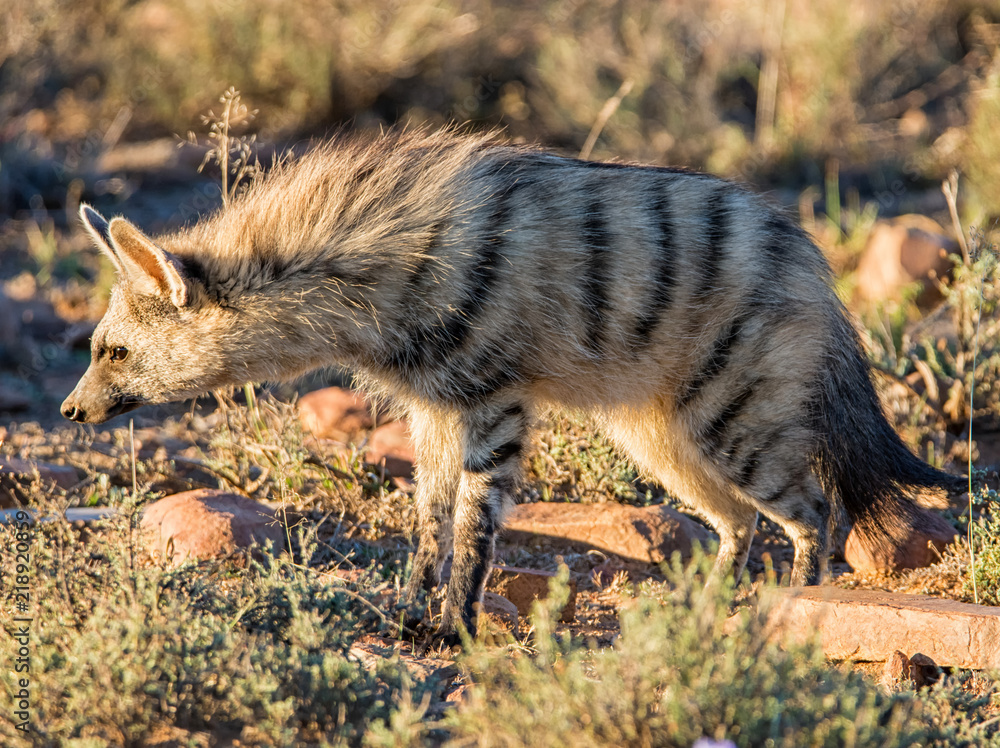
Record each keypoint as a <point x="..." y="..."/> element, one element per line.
<point x="479" y="284"/>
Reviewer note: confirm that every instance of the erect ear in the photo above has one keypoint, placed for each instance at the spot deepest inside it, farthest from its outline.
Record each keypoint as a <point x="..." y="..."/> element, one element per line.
<point x="98" y="228"/>
<point x="147" y="268"/>
<point x="141" y="264"/>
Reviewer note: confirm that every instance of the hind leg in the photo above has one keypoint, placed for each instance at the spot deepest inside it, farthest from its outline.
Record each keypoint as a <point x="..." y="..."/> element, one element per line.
<point x="735" y="522"/>
<point x="800" y="508"/>
<point x="660" y="450"/>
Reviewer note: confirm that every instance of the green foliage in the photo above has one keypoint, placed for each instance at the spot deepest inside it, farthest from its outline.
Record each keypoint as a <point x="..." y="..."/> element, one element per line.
<point x="572" y="463"/>
<point x="118" y="647"/>
<point x="968" y="358"/>
<point x="985" y="531"/>
<point x="982" y="149"/>
<point x="681" y="671"/>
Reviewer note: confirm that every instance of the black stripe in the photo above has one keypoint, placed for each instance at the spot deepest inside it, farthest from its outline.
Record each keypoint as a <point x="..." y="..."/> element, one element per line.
<point x="749" y="469"/>
<point x="270" y="267"/>
<point x="482" y="277"/>
<point x="664" y="280"/>
<point x="775" y="495"/>
<point x="510" y="413"/>
<point x="717" y="228"/>
<point x="472" y="557"/>
<point x="421" y="269"/>
<point x="193" y="268"/>
<point x="716" y="361"/>
<point x="432" y="343"/>
<point x="714" y="434"/>
<point x="339" y="268"/>
<point x="494" y="366"/>
<point x="780" y="237"/>
<point x="797" y="513"/>
<point x="490" y="372"/>
<point x="595" y="296"/>
<point x="495" y="459"/>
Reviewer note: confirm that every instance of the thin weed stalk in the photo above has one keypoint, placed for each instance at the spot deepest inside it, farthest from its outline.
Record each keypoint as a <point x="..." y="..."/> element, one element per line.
<point x="609" y="108"/>
<point x="970" y="253"/>
<point x="233" y="154"/>
<point x="972" y="393"/>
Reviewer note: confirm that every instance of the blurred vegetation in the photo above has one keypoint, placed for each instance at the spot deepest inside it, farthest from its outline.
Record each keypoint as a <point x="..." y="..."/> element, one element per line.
<point x="897" y="92"/>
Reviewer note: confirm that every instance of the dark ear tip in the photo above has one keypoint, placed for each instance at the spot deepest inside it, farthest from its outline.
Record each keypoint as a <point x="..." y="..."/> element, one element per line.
<point x="95" y="221"/>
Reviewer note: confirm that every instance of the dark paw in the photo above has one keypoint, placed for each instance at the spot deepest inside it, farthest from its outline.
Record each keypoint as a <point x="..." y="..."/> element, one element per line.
<point x="438" y="643"/>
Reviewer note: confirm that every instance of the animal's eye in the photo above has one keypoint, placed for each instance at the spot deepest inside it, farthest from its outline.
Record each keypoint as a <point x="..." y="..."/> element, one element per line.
<point x="119" y="354"/>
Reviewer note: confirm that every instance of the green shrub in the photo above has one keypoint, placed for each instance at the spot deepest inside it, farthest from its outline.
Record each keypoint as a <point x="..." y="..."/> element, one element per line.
<point x="680" y="672"/>
<point x="119" y="646"/>
<point x="985" y="531"/>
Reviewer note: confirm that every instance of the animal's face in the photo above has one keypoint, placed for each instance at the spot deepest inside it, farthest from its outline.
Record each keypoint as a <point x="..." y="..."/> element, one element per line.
<point x="153" y="345"/>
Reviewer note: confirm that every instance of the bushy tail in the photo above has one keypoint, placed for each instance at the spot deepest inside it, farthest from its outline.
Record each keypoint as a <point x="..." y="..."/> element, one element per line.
<point x="862" y="462"/>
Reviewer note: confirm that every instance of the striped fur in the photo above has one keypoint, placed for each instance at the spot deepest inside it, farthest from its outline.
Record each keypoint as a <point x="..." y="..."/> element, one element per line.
<point x="481" y="285"/>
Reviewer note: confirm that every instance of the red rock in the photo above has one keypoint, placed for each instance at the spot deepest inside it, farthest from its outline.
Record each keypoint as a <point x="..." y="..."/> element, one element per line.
<point x="645" y="534"/>
<point x="499" y="611"/>
<point x="207" y="523"/>
<point x="16" y="474"/>
<point x="896" y="670"/>
<point x="870" y="625"/>
<point x="335" y="413"/>
<point x="920" y="670"/>
<point x="907" y="249"/>
<point x="392" y="444"/>
<point x="523" y="586"/>
<point x="911" y="548"/>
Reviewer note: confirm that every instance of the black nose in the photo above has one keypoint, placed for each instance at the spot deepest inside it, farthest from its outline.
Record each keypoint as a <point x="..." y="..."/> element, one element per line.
<point x="73" y="413"/>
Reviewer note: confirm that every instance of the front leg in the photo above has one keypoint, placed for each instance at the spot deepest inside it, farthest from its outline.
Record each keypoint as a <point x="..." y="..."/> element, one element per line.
<point x="437" y="440"/>
<point x="494" y="436"/>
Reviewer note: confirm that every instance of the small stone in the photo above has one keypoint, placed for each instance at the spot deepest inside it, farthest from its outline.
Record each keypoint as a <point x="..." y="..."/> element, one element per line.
<point x="923" y="670"/>
<point x="896" y="670"/>
<point x="648" y="535"/>
<point x="392" y="444"/>
<point x="523" y="586"/>
<point x="207" y="523"/>
<point x="907" y="249"/>
<point x="335" y="413"/>
<point x="499" y="613"/>
<point x="911" y="547"/>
